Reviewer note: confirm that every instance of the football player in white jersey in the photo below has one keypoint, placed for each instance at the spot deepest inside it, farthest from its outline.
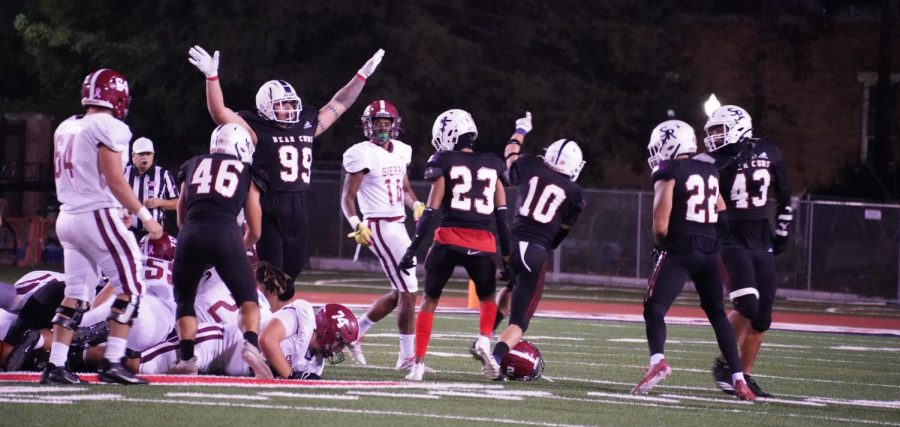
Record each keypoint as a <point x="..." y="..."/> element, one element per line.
<point x="296" y="342"/>
<point x="376" y="180"/>
<point x="90" y="152"/>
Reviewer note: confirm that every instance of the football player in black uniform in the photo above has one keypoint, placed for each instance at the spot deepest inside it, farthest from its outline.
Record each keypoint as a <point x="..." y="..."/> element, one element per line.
<point x="283" y="132"/>
<point x="467" y="194"/>
<point x="748" y="167"/>
<point x="214" y="189"/>
<point x="549" y="205"/>
<point x="686" y="209"/>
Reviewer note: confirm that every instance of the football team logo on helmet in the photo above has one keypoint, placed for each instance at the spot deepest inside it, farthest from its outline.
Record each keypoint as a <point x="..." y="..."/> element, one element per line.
<point x="449" y="126"/>
<point x="380" y="109"/>
<point x="564" y="156"/>
<point x="162" y="248"/>
<point x="523" y="362"/>
<point x="234" y="140"/>
<point x="335" y="327"/>
<point x="728" y="124"/>
<point x="278" y="98"/>
<point x="670" y="139"/>
<point x="106" y="88"/>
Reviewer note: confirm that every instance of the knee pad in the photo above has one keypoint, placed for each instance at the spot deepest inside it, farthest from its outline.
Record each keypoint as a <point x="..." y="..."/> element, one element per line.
<point x="746" y="302"/>
<point x="128" y="310"/>
<point x="69" y="317"/>
<point x="762" y="322"/>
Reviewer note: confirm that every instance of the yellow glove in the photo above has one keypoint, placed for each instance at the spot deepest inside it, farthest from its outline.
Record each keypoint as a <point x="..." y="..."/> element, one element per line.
<point x="418" y="210"/>
<point x="362" y="235"/>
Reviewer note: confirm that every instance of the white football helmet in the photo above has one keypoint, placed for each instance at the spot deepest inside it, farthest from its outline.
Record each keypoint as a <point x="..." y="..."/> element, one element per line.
<point x="736" y="124"/>
<point x="232" y="139"/>
<point x="278" y="93"/>
<point x="449" y="126"/>
<point x="564" y="156"/>
<point x="669" y="139"/>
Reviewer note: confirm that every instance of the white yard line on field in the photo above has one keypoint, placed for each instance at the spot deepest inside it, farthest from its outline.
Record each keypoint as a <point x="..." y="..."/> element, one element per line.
<point x="218" y="396"/>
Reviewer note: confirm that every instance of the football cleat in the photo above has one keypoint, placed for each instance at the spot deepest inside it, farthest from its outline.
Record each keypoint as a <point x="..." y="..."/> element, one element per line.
<point x="356" y="352"/>
<point x="742" y="391"/>
<point x="185" y="367"/>
<point x="405" y="364"/>
<point x="721" y="373"/>
<point x="654" y="376"/>
<point x="53" y="374"/>
<point x="754" y="387"/>
<point x="491" y="368"/>
<point x="117" y="373"/>
<point x="251" y="355"/>
<point x="23" y="353"/>
<point x="416" y="372"/>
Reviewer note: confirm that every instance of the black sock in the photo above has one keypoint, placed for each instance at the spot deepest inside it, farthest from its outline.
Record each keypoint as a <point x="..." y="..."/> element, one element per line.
<point x="252" y="338"/>
<point x="500" y="350"/>
<point x="187" y="349"/>
<point x="498" y="320"/>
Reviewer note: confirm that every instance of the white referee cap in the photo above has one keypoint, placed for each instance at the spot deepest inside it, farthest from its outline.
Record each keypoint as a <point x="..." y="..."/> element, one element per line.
<point x="142" y="145"/>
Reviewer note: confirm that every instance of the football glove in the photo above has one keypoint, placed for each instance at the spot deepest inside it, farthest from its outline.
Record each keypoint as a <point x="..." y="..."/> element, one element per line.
<point x="369" y="67"/>
<point x="362" y="235"/>
<point x="297" y="375"/>
<point x="418" y="210"/>
<point x="208" y="65"/>
<point x="523" y="125"/>
<point x="506" y="273"/>
<point x="407" y="262"/>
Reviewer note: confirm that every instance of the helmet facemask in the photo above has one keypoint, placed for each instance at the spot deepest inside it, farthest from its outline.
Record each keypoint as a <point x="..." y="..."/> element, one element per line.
<point x="670" y="139"/>
<point x="729" y="124"/>
<point x="378" y="111"/>
<point x="277" y="101"/>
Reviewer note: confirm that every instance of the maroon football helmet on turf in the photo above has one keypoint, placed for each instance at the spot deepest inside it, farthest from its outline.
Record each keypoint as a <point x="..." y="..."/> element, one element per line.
<point x="106" y="88"/>
<point x="162" y="248"/>
<point x="380" y="109"/>
<point x="523" y="362"/>
<point x="335" y="327"/>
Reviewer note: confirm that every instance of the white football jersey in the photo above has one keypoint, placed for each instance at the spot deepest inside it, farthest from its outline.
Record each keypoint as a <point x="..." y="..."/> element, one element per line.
<point x="381" y="192"/>
<point x="30" y="283"/>
<point x="80" y="186"/>
<point x="299" y="322"/>
<point x="214" y="303"/>
<point x="158" y="280"/>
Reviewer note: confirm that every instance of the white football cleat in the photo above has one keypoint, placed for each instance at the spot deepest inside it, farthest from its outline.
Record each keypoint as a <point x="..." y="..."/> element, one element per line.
<point x="483" y="351"/>
<point x="416" y="372"/>
<point x="405" y="364"/>
<point x="251" y="355"/>
<point x="184" y="367"/>
<point x="356" y="353"/>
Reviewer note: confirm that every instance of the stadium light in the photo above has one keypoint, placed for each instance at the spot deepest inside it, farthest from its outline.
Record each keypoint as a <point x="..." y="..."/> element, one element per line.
<point x="711" y="105"/>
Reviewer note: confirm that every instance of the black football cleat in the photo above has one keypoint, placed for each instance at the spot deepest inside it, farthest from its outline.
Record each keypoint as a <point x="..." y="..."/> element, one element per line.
<point x="53" y="374"/>
<point x="754" y="387"/>
<point x="117" y="373"/>
<point x="721" y="373"/>
<point x="23" y="353"/>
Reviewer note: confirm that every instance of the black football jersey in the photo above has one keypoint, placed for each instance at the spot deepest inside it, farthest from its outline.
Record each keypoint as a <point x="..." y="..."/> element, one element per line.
<point x="546" y="199"/>
<point x="471" y="181"/>
<point x="694" y="197"/>
<point x="747" y="177"/>
<point x="216" y="187"/>
<point x="284" y="154"/>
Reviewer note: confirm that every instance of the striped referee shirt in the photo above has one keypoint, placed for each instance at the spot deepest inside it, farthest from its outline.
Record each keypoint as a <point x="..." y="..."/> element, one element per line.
<point x="155" y="183"/>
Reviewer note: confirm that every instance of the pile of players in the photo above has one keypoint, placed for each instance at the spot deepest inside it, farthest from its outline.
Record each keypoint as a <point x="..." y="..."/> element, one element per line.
<point x="257" y="174"/>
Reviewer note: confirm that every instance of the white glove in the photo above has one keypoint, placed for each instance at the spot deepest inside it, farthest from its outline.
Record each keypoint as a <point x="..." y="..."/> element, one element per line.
<point x="371" y="65"/>
<point x="208" y="65"/>
<point x="523" y="125"/>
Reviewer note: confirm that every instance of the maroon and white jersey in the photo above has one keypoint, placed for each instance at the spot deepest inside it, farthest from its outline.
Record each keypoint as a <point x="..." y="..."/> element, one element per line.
<point x="80" y="187"/>
<point x="30" y="283"/>
<point x="210" y="343"/>
<point x="214" y="302"/>
<point x="381" y="192"/>
<point x="299" y="322"/>
<point x="158" y="280"/>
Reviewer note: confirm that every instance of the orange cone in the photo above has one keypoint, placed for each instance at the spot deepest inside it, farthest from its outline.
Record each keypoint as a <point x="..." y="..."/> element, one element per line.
<point x="473" y="296"/>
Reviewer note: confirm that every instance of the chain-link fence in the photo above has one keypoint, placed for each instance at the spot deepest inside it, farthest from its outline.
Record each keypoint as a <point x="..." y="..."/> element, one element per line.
<point x="839" y="249"/>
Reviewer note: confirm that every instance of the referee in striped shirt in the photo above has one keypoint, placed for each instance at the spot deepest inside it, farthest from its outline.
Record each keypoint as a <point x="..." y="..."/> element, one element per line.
<point x="152" y="185"/>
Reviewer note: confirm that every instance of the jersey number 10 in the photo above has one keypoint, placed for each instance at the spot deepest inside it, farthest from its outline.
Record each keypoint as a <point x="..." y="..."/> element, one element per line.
<point x="547" y="204"/>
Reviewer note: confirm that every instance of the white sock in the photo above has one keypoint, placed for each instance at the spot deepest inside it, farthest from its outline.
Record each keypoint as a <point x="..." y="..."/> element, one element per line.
<point x="656" y="358"/>
<point x="364" y="325"/>
<point x="737" y="377"/>
<point x="115" y="349"/>
<point x="406" y="345"/>
<point x="59" y="353"/>
<point x="40" y="342"/>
